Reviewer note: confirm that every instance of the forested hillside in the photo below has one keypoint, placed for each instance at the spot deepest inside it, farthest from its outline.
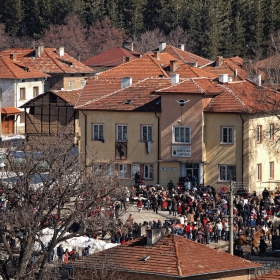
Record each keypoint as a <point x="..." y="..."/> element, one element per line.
<point x="208" y="27"/>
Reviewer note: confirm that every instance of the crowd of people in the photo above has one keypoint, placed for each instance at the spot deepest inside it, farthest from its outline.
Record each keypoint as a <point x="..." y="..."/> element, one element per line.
<point x="201" y="214"/>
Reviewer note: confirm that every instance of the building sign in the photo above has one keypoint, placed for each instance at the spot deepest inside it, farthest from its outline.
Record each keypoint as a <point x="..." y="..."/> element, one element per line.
<point x="181" y="151"/>
<point x="172" y="169"/>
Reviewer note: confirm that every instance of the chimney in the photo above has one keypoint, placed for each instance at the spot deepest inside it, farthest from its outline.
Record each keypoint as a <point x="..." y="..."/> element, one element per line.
<point x="181" y="47"/>
<point x="174" y="64"/>
<point x="126" y="82"/>
<point x="161" y="46"/>
<point x="13" y="56"/>
<point x="128" y="45"/>
<point x="60" y="51"/>
<point x="175" y="79"/>
<point x="154" y="235"/>
<point x="127" y="58"/>
<point x="39" y="50"/>
<point x="156" y="55"/>
<point x="219" y="60"/>
<point x="256" y="79"/>
<point x="223" y="78"/>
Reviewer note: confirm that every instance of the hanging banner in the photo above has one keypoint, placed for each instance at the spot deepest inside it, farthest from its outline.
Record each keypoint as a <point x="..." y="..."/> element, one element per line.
<point x="148" y="146"/>
<point x="181" y="151"/>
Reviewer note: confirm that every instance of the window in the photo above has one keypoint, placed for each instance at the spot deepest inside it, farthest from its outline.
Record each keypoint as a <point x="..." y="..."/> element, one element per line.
<point x="97" y="132"/>
<point x="271" y="132"/>
<point x="71" y="85"/>
<point x="122" y="168"/>
<point x="227" y="135"/>
<point x="22" y="117"/>
<point x="271" y="170"/>
<point x="146" y="133"/>
<point x="22" y="93"/>
<point x="259" y="133"/>
<point x="148" y="171"/>
<point x="121" y="132"/>
<point x="35" y="91"/>
<point x="83" y="83"/>
<point x="227" y="172"/>
<point x="134" y="168"/>
<point x="181" y="134"/>
<point x="259" y="172"/>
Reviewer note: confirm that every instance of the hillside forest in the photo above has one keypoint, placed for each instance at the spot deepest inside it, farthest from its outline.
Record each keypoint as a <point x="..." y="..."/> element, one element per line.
<point x="208" y="28"/>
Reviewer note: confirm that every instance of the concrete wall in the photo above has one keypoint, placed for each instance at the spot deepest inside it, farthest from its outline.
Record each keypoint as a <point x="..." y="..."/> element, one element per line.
<point x="136" y="149"/>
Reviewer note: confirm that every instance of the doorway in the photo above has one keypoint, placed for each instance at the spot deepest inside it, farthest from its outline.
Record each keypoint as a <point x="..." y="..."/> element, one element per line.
<point x="192" y="169"/>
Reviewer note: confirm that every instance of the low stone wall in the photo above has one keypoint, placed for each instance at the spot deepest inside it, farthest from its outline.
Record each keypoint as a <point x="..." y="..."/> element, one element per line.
<point x="268" y="263"/>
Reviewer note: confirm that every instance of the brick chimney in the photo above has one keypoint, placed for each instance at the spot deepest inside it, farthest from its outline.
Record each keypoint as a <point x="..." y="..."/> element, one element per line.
<point x="60" y="51"/>
<point x="156" y="55"/>
<point x="175" y="79"/>
<point x="39" y="50"/>
<point x="174" y="64"/>
<point x="126" y="82"/>
<point x="223" y="78"/>
<point x="13" y="56"/>
<point x="154" y="235"/>
<point x="161" y="46"/>
<point x="219" y="60"/>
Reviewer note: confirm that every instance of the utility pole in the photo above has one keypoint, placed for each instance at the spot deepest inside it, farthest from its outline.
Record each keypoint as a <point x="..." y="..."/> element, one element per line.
<point x="231" y="217"/>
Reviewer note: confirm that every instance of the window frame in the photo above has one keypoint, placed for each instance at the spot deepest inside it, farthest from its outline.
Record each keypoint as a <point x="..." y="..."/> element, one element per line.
<point x="37" y="90"/>
<point x="259" y="133"/>
<point x="125" y="169"/>
<point x="174" y="127"/>
<point x="271" y="170"/>
<point x="22" y="93"/>
<point x="226" y="172"/>
<point x="142" y="132"/>
<point x="132" y="175"/>
<point x="71" y="85"/>
<point x="122" y="132"/>
<point x="150" y="169"/>
<point x="22" y="117"/>
<point x="259" y="172"/>
<point x="93" y="132"/>
<point x="228" y="128"/>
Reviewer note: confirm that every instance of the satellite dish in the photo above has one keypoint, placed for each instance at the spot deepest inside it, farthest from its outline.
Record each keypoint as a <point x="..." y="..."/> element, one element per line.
<point x="182" y="102"/>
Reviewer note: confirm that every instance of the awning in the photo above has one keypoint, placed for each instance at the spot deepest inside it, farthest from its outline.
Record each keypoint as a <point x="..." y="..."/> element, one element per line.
<point x="10" y="111"/>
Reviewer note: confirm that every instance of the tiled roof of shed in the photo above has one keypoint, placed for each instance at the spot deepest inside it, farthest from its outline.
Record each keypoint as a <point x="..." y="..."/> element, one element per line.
<point x="138" y="69"/>
<point x="48" y="62"/>
<point x="113" y="57"/>
<point x="172" y="256"/>
<point x="12" y="70"/>
<point x="136" y="97"/>
<point x="186" y="57"/>
<point x="244" y="97"/>
<point x="198" y="85"/>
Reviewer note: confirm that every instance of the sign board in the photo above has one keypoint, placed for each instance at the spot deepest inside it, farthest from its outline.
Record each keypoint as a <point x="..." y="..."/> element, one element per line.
<point x="172" y="169"/>
<point x="181" y="151"/>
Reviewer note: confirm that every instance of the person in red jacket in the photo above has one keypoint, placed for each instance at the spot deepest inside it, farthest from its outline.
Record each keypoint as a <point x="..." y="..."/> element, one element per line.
<point x="189" y="231"/>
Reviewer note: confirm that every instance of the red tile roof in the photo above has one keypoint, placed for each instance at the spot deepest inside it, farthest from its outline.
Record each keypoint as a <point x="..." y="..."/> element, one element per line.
<point x="269" y="276"/>
<point x="168" y="257"/>
<point x="139" y="69"/>
<point x="70" y="96"/>
<point x="113" y="57"/>
<point x="136" y="97"/>
<point x="96" y="88"/>
<point x="187" y="71"/>
<point x="48" y="62"/>
<point x="12" y="70"/>
<point x="198" y="85"/>
<point x="10" y="111"/>
<point x="244" y="97"/>
<point x="186" y="57"/>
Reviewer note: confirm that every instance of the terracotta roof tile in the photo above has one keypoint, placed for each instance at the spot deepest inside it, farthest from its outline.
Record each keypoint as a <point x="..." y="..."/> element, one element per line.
<point x="186" y="57"/>
<point x="244" y="97"/>
<point x="12" y="70"/>
<point x="136" y="97"/>
<point x="113" y="57"/>
<point x="169" y="257"/>
<point x="48" y="62"/>
<point x="10" y="111"/>
<point x="70" y="96"/>
<point x="138" y="69"/>
<point x="187" y="71"/>
<point x="198" y="85"/>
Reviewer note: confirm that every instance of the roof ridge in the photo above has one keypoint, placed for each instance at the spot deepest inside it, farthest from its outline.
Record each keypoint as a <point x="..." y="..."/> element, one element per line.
<point x="161" y="69"/>
<point x="178" y="54"/>
<point x="177" y="255"/>
<point x="236" y="97"/>
<point x="183" y="80"/>
<point x="200" y="88"/>
<point x="53" y="60"/>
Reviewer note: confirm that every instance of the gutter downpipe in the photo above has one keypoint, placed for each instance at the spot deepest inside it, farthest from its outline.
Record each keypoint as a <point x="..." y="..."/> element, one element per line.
<point x="158" y="149"/>
<point x="242" y="148"/>
<point x="85" y="136"/>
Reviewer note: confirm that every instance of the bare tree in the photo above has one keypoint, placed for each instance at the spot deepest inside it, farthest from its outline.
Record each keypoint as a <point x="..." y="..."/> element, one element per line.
<point x="49" y="185"/>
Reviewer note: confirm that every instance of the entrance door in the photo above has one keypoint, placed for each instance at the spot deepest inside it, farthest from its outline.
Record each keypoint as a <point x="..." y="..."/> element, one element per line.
<point x="192" y="170"/>
<point x="8" y="125"/>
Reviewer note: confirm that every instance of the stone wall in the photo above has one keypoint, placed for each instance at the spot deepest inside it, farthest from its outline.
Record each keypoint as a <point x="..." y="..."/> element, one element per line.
<point x="269" y="264"/>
